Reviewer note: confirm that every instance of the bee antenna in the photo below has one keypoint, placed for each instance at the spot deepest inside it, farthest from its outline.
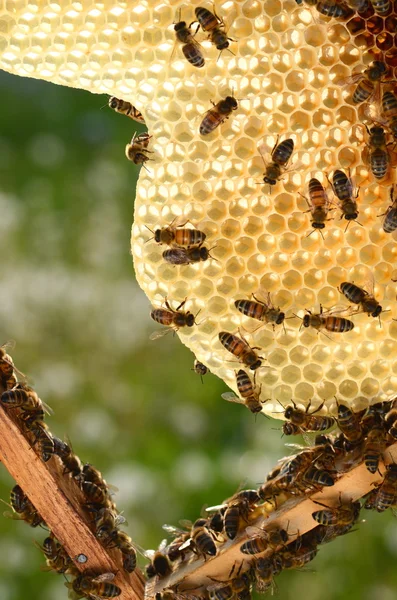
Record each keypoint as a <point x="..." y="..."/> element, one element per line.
<point x="104" y="106"/>
<point x="152" y="238"/>
<point x="213" y="258"/>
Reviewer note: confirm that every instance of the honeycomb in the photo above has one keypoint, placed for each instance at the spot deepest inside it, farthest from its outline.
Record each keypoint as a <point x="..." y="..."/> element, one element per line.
<point x="285" y="68"/>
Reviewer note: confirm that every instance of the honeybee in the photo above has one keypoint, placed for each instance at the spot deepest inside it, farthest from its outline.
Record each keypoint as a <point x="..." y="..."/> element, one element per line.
<point x="218" y="114"/>
<point x="390" y="220"/>
<point x="261" y="311"/>
<point x="190" y="47"/>
<point x="160" y="563"/>
<point x="175" y="549"/>
<point x="267" y="539"/>
<point x="391" y="420"/>
<point x="387" y="492"/>
<point x="200" y="369"/>
<point x="389" y="109"/>
<point x="381" y="7"/>
<point x="281" y="154"/>
<point x="241" y="350"/>
<point x="44" y="440"/>
<point x="343" y="190"/>
<point x="326" y="320"/>
<point x="94" y="587"/>
<point x="361" y="297"/>
<point x="177" y="235"/>
<point x="187" y="256"/>
<point x="71" y="462"/>
<point x="23" y="508"/>
<point x="358" y="5"/>
<point x="56" y="557"/>
<point x="126" y="108"/>
<point x="318" y="204"/>
<point x="349" y="423"/>
<point x="238" y="508"/>
<point x="299" y="553"/>
<point x="122" y="541"/>
<point x="376" y="155"/>
<point x="202" y="538"/>
<point x="264" y="571"/>
<point x="24" y="397"/>
<point x="344" y="514"/>
<point x="374" y="445"/>
<point x="334" y="8"/>
<point x="365" y="89"/>
<point x="314" y="476"/>
<point x="246" y="389"/>
<point x="106" y="522"/>
<point x="136" y="151"/>
<point x="305" y="421"/>
<point x="173" y="319"/>
<point x="213" y="25"/>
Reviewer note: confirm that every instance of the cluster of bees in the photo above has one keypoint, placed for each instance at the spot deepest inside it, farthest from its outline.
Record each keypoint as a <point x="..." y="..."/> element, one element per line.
<point x="28" y="411"/>
<point x="266" y="550"/>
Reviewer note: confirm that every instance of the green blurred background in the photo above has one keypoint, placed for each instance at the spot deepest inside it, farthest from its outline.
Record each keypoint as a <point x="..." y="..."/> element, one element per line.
<point x="131" y="406"/>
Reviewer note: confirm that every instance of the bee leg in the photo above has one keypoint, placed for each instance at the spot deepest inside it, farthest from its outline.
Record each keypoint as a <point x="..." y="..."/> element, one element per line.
<point x="181" y="304"/>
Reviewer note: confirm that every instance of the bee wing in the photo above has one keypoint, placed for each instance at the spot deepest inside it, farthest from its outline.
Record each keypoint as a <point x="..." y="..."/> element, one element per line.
<point x="369" y="283"/>
<point x="253" y="531"/>
<point x="186" y="523"/>
<point x="349" y="80"/>
<point x="231" y="397"/>
<point x="337" y="309"/>
<point x="160" y="333"/>
<point x="104" y="577"/>
<point x="47" y="408"/>
<point x="215" y="508"/>
<point x="175" y="531"/>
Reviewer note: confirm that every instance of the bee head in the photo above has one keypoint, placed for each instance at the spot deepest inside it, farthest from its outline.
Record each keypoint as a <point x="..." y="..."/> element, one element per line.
<point x="280" y="318"/>
<point x="179" y="26"/>
<point x="306" y="321"/>
<point x="288" y="412"/>
<point x="255" y="365"/>
<point x="316" y="225"/>
<point x="377" y="311"/>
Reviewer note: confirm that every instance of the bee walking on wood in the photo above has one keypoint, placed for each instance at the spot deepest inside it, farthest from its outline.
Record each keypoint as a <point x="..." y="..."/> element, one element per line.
<point x="280" y="156"/>
<point x="218" y="114"/>
<point x="241" y="349"/>
<point x="202" y="539"/>
<point x="318" y="204"/>
<point x="261" y="311"/>
<point x="246" y="389"/>
<point x="190" y="47"/>
<point x="173" y="319"/>
<point x="386" y="495"/>
<point x="136" y="151"/>
<point x="94" y="586"/>
<point x="368" y="82"/>
<point x="390" y="221"/>
<point x="126" y="108"/>
<point x="344" y="514"/>
<point x="361" y="297"/>
<point x="187" y="256"/>
<point x="177" y="235"/>
<point x="23" y="508"/>
<point x="215" y="27"/>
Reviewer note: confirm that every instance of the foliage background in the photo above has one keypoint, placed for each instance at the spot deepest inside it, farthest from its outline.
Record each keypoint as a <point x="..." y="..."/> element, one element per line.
<point x="131" y="406"/>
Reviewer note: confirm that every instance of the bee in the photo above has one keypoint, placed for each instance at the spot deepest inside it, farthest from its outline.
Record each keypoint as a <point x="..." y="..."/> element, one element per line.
<point x="381" y="7"/>
<point x="390" y="220"/>
<point x="23" y="508"/>
<point x="376" y="155"/>
<point x="267" y="539"/>
<point x="367" y="80"/>
<point x="56" y="557"/>
<point x="6" y="366"/>
<point x="240" y="348"/>
<point x="181" y="537"/>
<point x="264" y="569"/>
<point x="106" y="522"/>
<point x="387" y="492"/>
<point x="281" y="154"/>
<point x="122" y="541"/>
<point x="126" y="108"/>
<point x="24" y="397"/>
<point x="298" y="553"/>
<point x="202" y="539"/>
<point x="178" y="235"/>
<point x="391" y="420"/>
<point x="314" y="476"/>
<point x="334" y="8"/>
<point x="200" y="369"/>
<point x="44" y="440"/>
<point x="344" y="514"/>
<point x="343" y="190"/>
<point x="327" y="321"/>
<point x="187" y="256"/>
<point x="217" y="115"/>
<point x="136" y="151"/>
<point x="318" y="204"/>
<point x="389" y="109"/>
<point x="94" y="494"/>
<point x="160" y="563"/>
<point x="246" y="389"/>
<point x="361" y="297"/>
<point x="374" y="445"/>
<point x="94" y="587"/>
<point x="305" y="421"/>
<point x="213" y="25"/>
<point x="173" y="319"/>
<point x="358" y="5"/>
<point x="349" y="423"/>
<point x="71" y="461"/>
<point x="238" y="508"/>
<point x="190" y="47"/>
<point x="261" y="311"/>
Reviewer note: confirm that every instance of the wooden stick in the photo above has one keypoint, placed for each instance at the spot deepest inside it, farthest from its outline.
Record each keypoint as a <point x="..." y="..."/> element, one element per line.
<point x="58" y="499"/>
<point x="295" y="516"/>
